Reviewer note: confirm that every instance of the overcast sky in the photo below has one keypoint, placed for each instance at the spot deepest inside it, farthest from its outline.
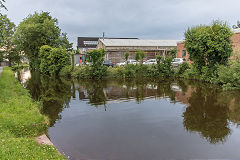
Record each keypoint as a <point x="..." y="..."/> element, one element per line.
<point x="145" y="19"/>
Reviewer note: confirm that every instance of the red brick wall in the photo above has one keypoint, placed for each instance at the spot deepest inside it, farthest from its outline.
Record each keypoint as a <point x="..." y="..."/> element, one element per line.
<point x="180" y="48"/>
<point x="236" y="43"/>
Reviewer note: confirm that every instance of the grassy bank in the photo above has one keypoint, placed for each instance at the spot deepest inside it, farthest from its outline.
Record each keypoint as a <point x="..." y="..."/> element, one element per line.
<point x="20" y="122"/>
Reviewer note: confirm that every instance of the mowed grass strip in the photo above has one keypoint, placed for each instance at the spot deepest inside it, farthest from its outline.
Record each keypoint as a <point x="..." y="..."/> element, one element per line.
<point x="20" y="122"/>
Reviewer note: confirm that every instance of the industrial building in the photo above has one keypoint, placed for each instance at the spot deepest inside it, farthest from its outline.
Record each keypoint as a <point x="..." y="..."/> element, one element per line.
<point x="116" y="48"/>
<point x="85" y="44"/>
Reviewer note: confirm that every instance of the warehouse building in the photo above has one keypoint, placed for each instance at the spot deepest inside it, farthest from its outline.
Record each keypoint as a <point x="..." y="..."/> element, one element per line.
<point x="116" y="48"/>
<point x="85" y="44"/>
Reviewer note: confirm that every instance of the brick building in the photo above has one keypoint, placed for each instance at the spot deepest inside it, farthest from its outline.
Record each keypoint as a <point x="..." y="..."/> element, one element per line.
<point x="116" y="48"/>
<point x="181" y="51"/>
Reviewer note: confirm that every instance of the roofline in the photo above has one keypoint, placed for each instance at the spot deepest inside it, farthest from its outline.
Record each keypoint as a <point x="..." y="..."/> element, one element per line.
<point x="102" y="40"/>
<point x="111" y="37"/>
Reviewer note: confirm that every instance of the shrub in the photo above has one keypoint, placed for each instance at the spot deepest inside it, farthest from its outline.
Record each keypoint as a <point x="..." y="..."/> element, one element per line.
<point x="129" y="71"/>
<point x="182" y="68"/>
<point x="191" y="73"/>
<point x="209" y="74"/>
<point x="126" y="55"/>
<point x="82" y="72"/>
<point x="52" y="60"/>
<point x="229" y="76"/>
<point x="165" y="68"/>
<point x="66" y="71"/>
<point x="158" y="58"/>
<point x="96" y="57"/>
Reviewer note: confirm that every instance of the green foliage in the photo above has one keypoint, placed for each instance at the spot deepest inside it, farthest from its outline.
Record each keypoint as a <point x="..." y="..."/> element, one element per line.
<point x="173" y="52"/>
<point x="182" y="68"/>
<point x="139" y="55"/>
<point x="20" y="119"/>
<point x="158" y="58"/>
<point x="37" y="30"/>
<point x="19" y="67"/>
<point x="209" y="74"/>
<point x="165" y="68"/>
<point x="52" y="60"/>
<point x="126" y="55"/>
<point x="7" y="29"/>
<point x="77" y="52"/>
<point x="82" y="72"/>
<point x="96" y="57"/>
<point x="2" y="6"/>
<point x="226" y="76"/>
<point x="229" y="76"/>
<point x="1" y="56"/>
<point x="66" y="71"/>
<point x="209" y="45"/>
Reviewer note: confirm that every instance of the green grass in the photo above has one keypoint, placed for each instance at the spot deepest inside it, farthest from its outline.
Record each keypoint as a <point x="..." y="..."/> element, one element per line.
<point x="20" y="122"/>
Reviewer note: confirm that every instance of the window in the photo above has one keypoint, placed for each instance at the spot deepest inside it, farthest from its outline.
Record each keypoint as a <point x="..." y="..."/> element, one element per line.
<point x="90" y="42"/>
<point x="183" y="53"/>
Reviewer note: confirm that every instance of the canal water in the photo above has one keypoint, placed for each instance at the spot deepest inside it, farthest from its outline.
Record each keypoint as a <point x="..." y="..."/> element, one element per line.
<point x="138" y="119"/>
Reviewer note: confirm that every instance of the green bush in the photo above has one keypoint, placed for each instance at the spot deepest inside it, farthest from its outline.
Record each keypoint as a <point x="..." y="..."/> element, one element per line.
<point x="129" y="71"/>
<point x="229" y="76"/>
<point x="82" y="72"/>
<point x="99" y="72"/>
<point x="209" y="74"/>
<point x="191" y="73"/>
<point x="66" y="71"/>
<point x="165" y="68"/>
<point x="182" y="68"/>
<point x="52" y="60"/>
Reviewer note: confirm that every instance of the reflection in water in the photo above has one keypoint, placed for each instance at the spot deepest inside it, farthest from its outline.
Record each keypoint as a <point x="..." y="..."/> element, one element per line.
<point x="54" y="93"/>
<point x="206" y="116"/>
<point x="209" y="111"/>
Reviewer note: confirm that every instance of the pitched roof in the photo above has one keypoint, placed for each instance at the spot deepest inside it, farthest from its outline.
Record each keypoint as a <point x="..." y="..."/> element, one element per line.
<point x="139" y="43"/>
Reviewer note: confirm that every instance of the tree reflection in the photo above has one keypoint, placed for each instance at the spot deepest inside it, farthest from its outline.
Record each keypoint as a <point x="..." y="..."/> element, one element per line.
<point x="208" y="113"/>
<point x="55" y="94"/>
<point x="206" y="116"/>
<point x="96" y="93"/>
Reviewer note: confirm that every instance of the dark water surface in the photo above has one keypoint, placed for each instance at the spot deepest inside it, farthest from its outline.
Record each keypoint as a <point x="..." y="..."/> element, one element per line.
<point x="139" y="119"/>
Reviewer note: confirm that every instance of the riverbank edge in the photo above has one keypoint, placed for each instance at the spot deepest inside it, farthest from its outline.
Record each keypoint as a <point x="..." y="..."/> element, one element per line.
<point x="225" y="76"/>
<point x="25" y="143"/>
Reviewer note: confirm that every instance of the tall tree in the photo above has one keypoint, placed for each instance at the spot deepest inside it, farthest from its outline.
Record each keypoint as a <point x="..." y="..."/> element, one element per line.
<point x="126" y="56"/>
<point x="2" y="6"/>
<point x="36" y="30"/>
<point x="6" y="41"/>
<point x="209" y="45"/>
